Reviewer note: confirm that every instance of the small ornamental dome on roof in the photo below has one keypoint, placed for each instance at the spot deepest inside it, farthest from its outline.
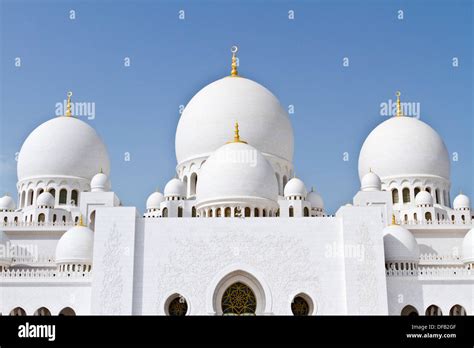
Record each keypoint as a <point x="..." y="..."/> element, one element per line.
<point x="315" y="199"/>
<point x="237" y="173"/>
<point x="424" y="198"/>
<point x="400" y="245"/>
<point x="45" y="199"/>
<point x="7" y="203"/>
<point x="468" y="247"/>
<point x="295" y="187"/>
<point x="461" y="202"/>
<point x="75" y="246"/>
<point x="100" y="182"/>
<point x="370" y="182"/>
<point x="154" y="200"/>
<point x="175" y="188"/>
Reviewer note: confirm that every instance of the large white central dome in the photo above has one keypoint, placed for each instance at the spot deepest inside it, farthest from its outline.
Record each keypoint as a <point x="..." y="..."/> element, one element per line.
<point x="404" y="146"/>
<point x="204" y="124"/>
<point x="61" y="147"/>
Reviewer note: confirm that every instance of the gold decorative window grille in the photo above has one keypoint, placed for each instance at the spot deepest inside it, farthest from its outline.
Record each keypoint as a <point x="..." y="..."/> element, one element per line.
<point x="300" y="306"/>
<point x="178" y="307"/>
<point x="239" y="299"/>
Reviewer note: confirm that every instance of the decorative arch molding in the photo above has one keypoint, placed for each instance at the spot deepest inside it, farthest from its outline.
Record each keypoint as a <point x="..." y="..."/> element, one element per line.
<point x="308" y="296"/>
<point x="171" y="295"/>
<point x="242" y="273"/>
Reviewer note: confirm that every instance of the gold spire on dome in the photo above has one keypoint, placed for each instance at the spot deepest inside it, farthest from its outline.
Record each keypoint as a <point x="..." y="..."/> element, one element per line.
<point x="234" y="72"/>
<point x="81" y="222"/>
<point x="399" y="104"/>
<point x="237" y="135"/>
<point x="68" y="105"/>
<point x="394" y="222"/>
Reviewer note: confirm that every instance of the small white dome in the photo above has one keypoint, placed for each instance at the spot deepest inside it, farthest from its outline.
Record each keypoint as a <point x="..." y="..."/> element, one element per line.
<point x="370" y="182"/>
<point x="295" y="187"/>
<point x="315" y="199"/>
<point x="75" y="246"/>
<point x="154" y="200"/>
<point x="400" y="245"/>
<point x="461" y="202"/>
<point x="62" y="146"/>
<point x="45" y="199"/>
<point x="100" y="183"/>
<point x="236" y="172"/>
<point x="175" y="188"/>
<point x="423" y="198"/>
<point x="468" y="247"/>
<point x="7" y="203"/>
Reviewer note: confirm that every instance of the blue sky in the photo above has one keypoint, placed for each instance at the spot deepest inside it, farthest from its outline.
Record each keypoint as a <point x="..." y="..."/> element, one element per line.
<point x="300" y="61"/>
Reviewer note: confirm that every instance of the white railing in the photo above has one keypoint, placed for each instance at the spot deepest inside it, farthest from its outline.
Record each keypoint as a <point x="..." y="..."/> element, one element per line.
<point x="37" y="224"/>
<point x="433" y="273"/>
<point x="40" y="260"/>
<point x="434" y="222"/>
<point x="39" y="274"/>
<point x="439" y="259"/>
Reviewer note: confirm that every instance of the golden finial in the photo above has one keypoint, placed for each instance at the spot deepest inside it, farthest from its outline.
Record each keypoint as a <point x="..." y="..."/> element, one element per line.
<point x="237" y="135"/>
<point x="81" y="222"/>
<point x="399" y="105"/>
<point x="234" y="71"/>
<point x="101" y="171"/>
<point x="394" y="222"/>
<point x="68" y="105"/>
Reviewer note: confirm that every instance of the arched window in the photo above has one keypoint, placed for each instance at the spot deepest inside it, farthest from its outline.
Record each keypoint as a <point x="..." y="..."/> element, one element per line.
<point x="395" y="196"/>
<point x="92" y="220"/>
<point x="193" y="184"/>
<point x="306" y="211"/>
<point x="437" y="216"/>
<point x="67" y="311"/>
<point x="17" y="312"/>
<point x="30" y="197"/>
<point x="428" y="216"/>
<point x="437" y="195"/>
<point x="5" y="219"/>
<point x="227" y="212"/>
<point x="415" y="217"/>
<point x="417" y="190"/>
<point x="210" y="213"/>
<point x="164" y="212"/>
<point x="64" y="218"/>
<point x="256" y="212"/>
<point x="457" y="310"/>
<point x="409" y="311"/>
<point x="42" y="312"/>
<point x="218" y="212"/>
<point x="53" y="192"/>
<point x="75" y="197"/>
<point x="247" y="212"/>
<point x="180" y="211"/>
<point x="291" y="212"/>
<point x="463" y="218"/>
<point x="63" y="196"/>
<point x="433" y="310"/>
<point x="193" y="211"/>
<point x="238" y="299"/>
<point x="176" y="306"/>
<point x="76" y="219"/>
<point x="405" y="218"/>
<point x="428" y="189"/>
<point x="406" y="195"/>
<point x="300" y="306"/>
<point x="41" y="217"/>
<point x="39" y="191"/>
<point x="452" y="218"/>
<point x="264" y="212"/>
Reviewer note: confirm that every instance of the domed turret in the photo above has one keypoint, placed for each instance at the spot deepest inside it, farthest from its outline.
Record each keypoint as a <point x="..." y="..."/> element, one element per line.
<point x="370" y="182"/>
<point x="75" y="247"/>
<point x="461" y="202"/>
<point x="45" y="200"/>
<point x="316" y="200"/>
<point x="424" y="199"/>
<point x="7" y="203"/>
<point x="100" y="182"/>
<point x="154" y="201"/>
<point x="400" y="245"/>
<point x="295" y="189"/>
<point x="175" y="189"/>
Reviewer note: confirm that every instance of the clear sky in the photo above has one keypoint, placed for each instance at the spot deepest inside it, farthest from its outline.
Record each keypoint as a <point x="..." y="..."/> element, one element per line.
<point x="299" y="60"/>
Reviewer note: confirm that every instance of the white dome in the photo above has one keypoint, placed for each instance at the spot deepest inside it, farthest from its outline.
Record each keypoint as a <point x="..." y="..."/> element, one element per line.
<point x="400" y="245"/>
<point x="236" y="171"/>
<point x="154" y="200"/>
<point x="315" y="199"/>
<point x="370" y="182"/>
<point x="404" y="146"/>
<point x="7" y="203"/>
<point x="75" y="246"/>
<point x="423" y="198"/>
<point x="468" y="247"/>
<point x="206" y="120"/>
<point x="461" y="202"/>
<point x="45" y="199"/>
<point x="295" y="187"/>
<point x="62" y="146"/>
<point x="175" y="188"/>
<point x="100" y="182"/>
